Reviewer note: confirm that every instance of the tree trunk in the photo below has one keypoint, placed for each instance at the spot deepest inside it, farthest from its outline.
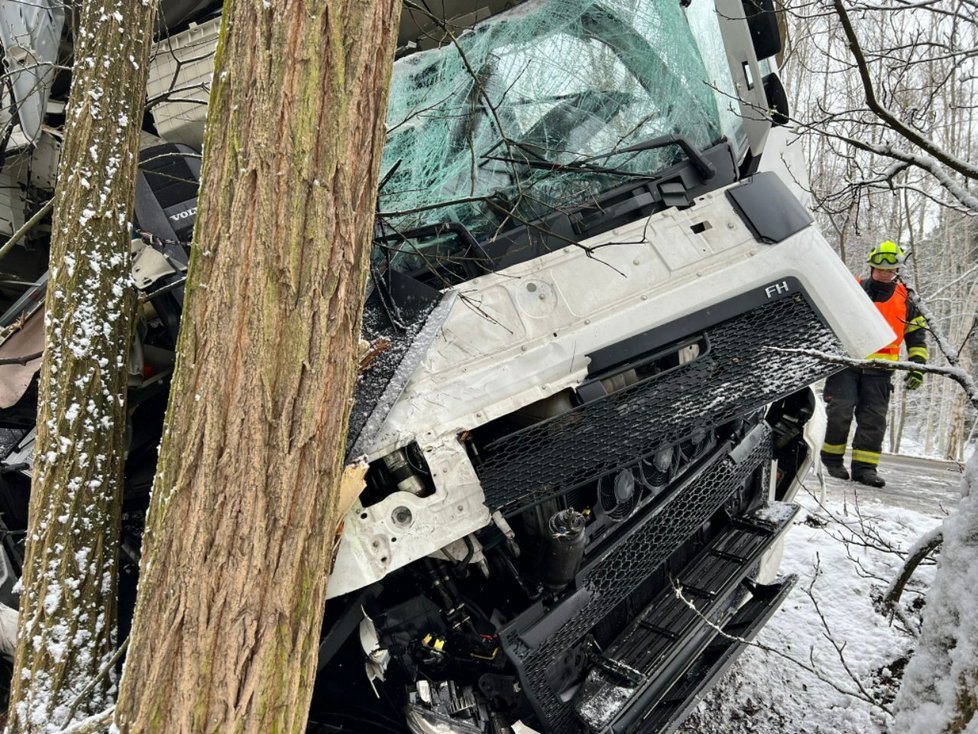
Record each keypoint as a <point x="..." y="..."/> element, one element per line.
<point x="240" y="530"/>
<point x="939" y="691"/>
<point x="66" y="632"/>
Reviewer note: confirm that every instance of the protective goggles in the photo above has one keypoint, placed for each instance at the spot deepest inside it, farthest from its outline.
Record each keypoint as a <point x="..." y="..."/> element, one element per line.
<point x="886" y="259"/>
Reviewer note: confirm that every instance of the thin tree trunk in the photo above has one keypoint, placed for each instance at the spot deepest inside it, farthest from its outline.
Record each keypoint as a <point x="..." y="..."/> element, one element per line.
<point x="241" y="525"/>
<point x="66" y="632"/>
<point x="939" y="691"/>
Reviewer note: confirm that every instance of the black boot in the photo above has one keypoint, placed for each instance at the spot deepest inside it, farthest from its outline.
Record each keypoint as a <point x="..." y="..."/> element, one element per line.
<point x="835" y="469"/>
<point x="867" y="475"/>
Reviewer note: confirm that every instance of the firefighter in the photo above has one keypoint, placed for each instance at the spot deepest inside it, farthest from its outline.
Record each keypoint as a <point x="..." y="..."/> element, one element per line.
<point x="865" y="391"/>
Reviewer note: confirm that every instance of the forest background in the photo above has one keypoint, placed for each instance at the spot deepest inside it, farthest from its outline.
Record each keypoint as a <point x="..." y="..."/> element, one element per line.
<point x="883" y="96"/>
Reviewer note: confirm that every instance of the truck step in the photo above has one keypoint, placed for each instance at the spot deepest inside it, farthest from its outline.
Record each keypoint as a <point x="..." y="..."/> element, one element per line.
<point x="719" y="655"/>
<point x="671" y="636"/>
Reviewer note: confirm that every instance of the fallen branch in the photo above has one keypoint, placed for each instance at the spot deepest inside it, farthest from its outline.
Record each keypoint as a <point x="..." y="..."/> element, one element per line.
<point x="924" y="546"/>
<point x="957" y="374"/>
<point x="106" y="669"/>
<point x="809" y="667"/>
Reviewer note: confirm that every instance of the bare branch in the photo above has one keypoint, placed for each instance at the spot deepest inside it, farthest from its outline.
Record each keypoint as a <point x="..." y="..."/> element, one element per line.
<point x="27" y="227"/>
<point x="21" y="360"/>
<point x="962" y="167"/>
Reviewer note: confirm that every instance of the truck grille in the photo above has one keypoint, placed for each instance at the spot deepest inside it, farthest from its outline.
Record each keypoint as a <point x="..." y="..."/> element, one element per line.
<point x="535" y="648"/>
<point x="739" y="373"/>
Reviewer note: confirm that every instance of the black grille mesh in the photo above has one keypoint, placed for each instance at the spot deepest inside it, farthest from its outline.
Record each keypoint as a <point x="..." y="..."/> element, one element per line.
<point x="740" y="373"/>
<point x="615" y="576"/>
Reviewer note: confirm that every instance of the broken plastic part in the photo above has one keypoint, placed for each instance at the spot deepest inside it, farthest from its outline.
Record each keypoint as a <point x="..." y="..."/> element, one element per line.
<point x="377" y="657"/>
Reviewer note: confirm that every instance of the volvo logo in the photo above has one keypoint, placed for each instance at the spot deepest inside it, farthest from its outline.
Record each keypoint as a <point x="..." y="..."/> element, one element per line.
<point x="186" y="214"/>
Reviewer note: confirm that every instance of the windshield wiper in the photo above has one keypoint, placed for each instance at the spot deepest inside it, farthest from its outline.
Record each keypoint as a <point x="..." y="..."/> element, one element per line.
<point x="706" y="169"/>
<point x="703" y="166"/>
<point x="577" y="167"/>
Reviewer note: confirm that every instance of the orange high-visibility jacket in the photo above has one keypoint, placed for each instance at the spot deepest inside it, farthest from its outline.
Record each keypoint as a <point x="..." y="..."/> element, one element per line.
<point x="906" y="323"/>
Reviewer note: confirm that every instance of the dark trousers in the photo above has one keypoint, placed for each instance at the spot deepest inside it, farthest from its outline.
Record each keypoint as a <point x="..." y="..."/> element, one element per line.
<point x="865" y="394"/>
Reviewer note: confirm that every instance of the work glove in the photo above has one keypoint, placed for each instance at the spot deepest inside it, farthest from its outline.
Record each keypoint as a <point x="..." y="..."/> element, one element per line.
<point x="914" y="379"/>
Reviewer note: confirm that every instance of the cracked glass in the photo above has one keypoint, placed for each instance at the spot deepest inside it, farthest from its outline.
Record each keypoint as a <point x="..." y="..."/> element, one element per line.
<point x="522" y="115"/>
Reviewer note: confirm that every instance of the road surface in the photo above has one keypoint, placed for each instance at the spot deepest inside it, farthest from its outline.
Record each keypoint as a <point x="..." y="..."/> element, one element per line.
<point x="928" y="486"/>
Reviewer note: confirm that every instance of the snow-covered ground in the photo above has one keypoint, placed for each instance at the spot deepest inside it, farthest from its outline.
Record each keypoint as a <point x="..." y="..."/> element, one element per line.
<point x="828" y="662"/>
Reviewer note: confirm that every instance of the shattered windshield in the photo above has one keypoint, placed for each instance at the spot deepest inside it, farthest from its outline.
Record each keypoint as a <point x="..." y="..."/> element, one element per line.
<point x="521" y="116"/>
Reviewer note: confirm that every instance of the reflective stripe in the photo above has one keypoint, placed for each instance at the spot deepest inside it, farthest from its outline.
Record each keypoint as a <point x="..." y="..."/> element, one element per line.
<point x="865" y="457"/>
<point x="890" y="356"/>
<point x="834" y="449"/>
<point x="917" y="323"/>
<point x="918" y="352"/>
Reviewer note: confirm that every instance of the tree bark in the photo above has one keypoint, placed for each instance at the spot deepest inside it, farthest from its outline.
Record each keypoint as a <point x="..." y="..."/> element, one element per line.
<point x="241" y="525"/>
<point x="66" y="632"/>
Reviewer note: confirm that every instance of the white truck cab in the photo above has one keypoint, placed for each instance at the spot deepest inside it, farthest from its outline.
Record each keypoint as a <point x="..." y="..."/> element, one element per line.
<point x="593" y="267"/>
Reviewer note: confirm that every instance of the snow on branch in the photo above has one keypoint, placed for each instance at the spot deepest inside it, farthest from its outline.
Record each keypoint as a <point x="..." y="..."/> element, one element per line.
<point x="955" y="373"/>
<point x="937" y="691"/>
<point x="925" y="163"/>
<point x="91" y="724"/>
<point x="925" y="546"/>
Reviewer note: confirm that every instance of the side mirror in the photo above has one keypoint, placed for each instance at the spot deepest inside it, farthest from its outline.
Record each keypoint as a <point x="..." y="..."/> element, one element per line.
<point x="762" y="20"/>
<point x="777" y="100"/>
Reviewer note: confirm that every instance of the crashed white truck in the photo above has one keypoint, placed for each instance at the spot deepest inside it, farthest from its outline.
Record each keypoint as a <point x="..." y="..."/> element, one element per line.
<point x="584" y="420"/>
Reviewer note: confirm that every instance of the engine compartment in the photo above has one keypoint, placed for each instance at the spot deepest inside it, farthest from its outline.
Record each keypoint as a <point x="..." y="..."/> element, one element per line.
<point x="442" y="637"/>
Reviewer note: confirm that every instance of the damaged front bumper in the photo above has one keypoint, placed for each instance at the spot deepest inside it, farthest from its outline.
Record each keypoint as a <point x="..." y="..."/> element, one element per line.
<point x="639" y="640"/>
